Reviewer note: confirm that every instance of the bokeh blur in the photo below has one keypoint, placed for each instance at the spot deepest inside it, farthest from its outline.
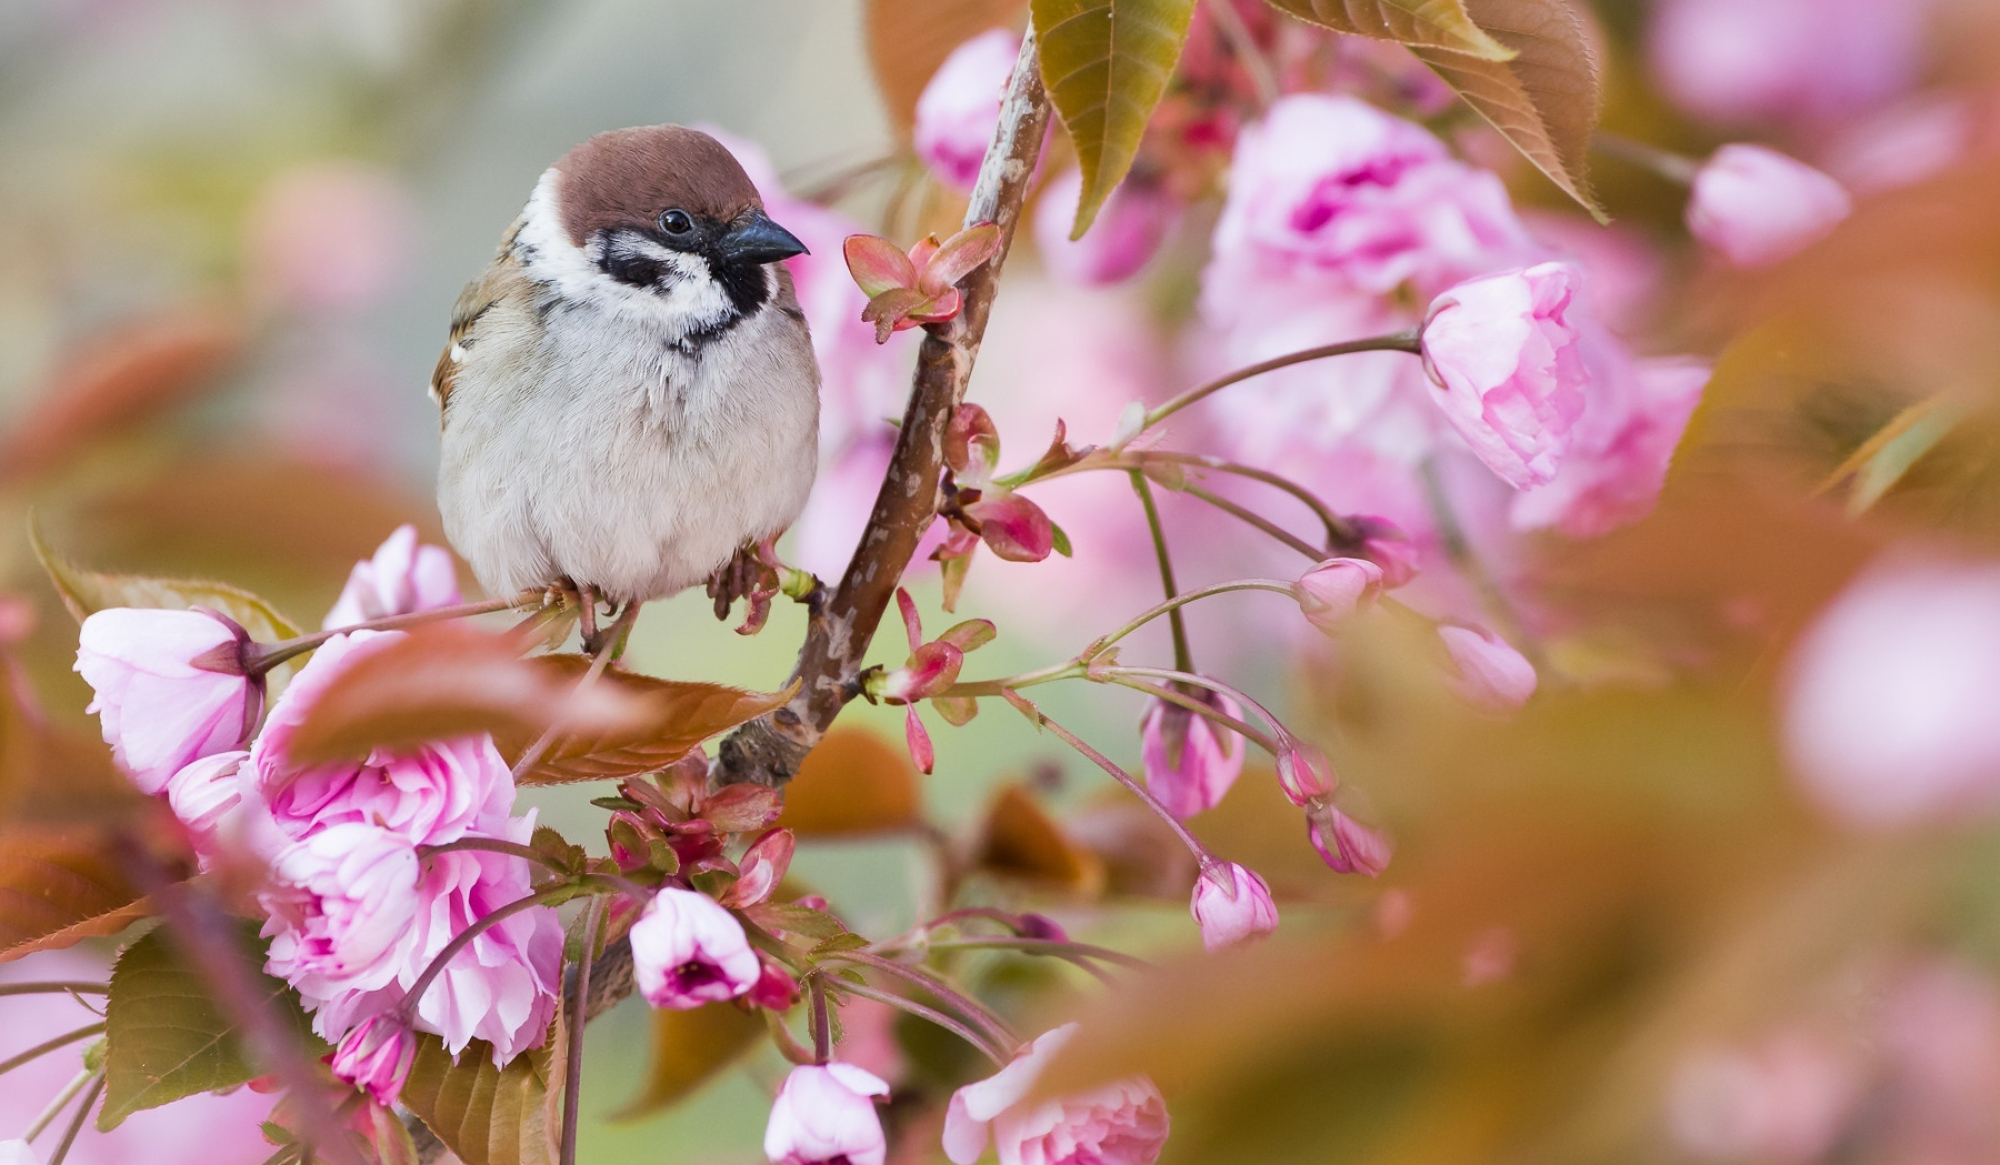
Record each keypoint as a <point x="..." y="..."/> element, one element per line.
<point x="1726" y="890"/>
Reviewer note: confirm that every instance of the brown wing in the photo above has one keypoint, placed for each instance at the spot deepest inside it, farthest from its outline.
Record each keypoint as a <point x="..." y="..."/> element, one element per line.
<point x="475" y="301"/>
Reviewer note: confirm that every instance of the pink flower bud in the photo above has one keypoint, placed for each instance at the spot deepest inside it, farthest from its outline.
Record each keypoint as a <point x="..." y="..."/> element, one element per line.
<point x="958" y="110"/>
<point x="1123" y="1122"/>
<point x="1013" y="527"/>
<point x="1758" y="206"/>
<point x="402" y="579"/>
<point x="1190" y="762"/>
<point x="1129" y="229"/>
<point x="762" y="867"/>
<point x="775" y="989"/>
<point x="1335" y="589"/>
<point x="1386" y="545"/>
<point x="376" y="1057"/>
<point x="1492" y="676"/>
<point x="825" y="1115"/>
<point x="170" y="688"/>
<point x="1344" y="844"/>
<point x="932" y="668"/>
<point x="687" y="951"/>
<point x="1303" y="771"/>
<point x="1233" y="906"/>
<point x="1506" y="369"/>
<point x="205" y="795"/>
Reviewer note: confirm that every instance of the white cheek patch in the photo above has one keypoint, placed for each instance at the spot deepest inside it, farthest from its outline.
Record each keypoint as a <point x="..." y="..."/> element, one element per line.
<point x="689" y="300"/>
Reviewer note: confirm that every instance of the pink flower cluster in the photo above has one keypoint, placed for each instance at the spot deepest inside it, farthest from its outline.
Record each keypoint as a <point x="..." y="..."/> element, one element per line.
<point x="354" y="911"/>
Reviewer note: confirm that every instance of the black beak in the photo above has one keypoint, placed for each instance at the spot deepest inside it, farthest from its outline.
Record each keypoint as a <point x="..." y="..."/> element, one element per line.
<point x="754" y="238"/>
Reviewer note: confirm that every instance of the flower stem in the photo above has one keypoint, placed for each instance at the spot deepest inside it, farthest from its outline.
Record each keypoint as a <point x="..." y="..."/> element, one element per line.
<point x="465" y="938"/>
<point x="61" y="1102"/>
<point x="1053" y="948"/>
<point x="1395" y="342"/>
<point x="972" y="1010"/>
<point x="1124" y="778"/>
<point x="1175" y="602"/>
<point x="1183" y="656"/>
<point x="1257" y="521"/>
<point x="53" y="986"/>
<point x="47" y="1046"/>
<point x="929" y="1014"/>
<point x="573" y="1076"/>
<point x="822" y="1022"/>
<point x="1338" y="528"/>
<point x="1676" y="168"/>
<point x="1277" y="726"/>
<point x="76" y="1122"/>
<point x="1200" y="707"/>
<point x="491" y="845"/>
<point x="265" y="656"/>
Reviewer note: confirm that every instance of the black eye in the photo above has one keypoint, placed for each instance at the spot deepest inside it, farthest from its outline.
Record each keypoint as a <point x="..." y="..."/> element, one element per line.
<point x="676" y="222"/>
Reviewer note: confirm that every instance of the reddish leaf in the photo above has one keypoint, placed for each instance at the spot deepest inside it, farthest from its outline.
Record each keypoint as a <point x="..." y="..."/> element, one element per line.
<point x="877" y="264"/>
<point x="761" y="867"/>
<point x="919" y="741"/>
<point x="909" y="39"/>
<point x="893" y="311"/>
<point x="130" y="373"/>
<point x="971" y="444"/>
<point x="959" y="256"/>
<point x="970" y="635"/>
<point x="59" y="889"/>
<point x="658" y="722"/>
<point x="1014" y="528"/>
<point x="451" y="680"/>
<point x="741" y="808"/>
<point x="852" y="783"/>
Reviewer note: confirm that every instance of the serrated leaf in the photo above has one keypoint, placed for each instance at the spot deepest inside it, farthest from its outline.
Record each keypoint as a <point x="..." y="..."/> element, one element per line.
<point x="58" y="889"/>
<point x="670" y="719"/>
<point x="841" y="942"/>
<point x="689" y="1049"/>
<point x="852" y="783"/>
<point x="85" y="592"/>
<point x="487" y="1115"/>
<point x="450" y="680"/>
<point x="793" y="919"/>
<point x="1106" y="64"/>
<point x="1440" y="24"/>
<point x="1545" y="99"/>
<point x="165" y="1037"/>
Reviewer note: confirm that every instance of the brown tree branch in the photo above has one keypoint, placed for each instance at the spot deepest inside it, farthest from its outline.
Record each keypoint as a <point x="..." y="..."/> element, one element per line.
<point x="769" y="751"/>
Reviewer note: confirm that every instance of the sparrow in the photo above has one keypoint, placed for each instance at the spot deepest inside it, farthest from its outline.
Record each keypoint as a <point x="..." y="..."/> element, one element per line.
<point x="629" y="395"/>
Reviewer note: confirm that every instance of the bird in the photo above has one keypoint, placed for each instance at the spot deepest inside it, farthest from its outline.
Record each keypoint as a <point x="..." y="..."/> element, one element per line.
<point x="628" y="401"/>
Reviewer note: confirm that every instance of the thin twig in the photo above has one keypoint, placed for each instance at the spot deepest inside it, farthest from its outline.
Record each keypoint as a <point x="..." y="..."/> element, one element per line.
<point x="928" y="1014"/>
<point x="1395" y="342"/>
<point x="1176" y="621"/>
<point x="1258" y="521"/>
<point x="573" y="1077"/>
<point x="1124" y="778"/>
<point x="61" y="1102"/>
<point x="46" y="1046"/>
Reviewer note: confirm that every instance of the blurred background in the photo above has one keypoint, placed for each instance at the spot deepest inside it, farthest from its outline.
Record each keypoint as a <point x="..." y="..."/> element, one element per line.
<point x="1727" y="890"/>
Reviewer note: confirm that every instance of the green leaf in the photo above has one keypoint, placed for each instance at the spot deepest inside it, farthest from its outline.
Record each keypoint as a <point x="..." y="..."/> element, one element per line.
<point x="165" y="1037"/>
<point x="1106" y="64"/>
<point x="1885" y="458"/>
<point x="1439" y="24"/>
<point x="689" y="1049"/>
<point x="1545" y="99"/>
<point x="86" y="592"/>
<point x="488" y="1115"/>
<point x="57" y="889"/>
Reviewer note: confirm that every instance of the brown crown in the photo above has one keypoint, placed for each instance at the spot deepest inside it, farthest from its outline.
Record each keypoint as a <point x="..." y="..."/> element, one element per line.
<point x="626" y="177"/>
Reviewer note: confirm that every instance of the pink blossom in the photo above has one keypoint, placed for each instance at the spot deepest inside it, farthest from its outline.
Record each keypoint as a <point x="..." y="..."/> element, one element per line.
<point x="432" y="793"/>
<point x="1345" y="844"/>
<point x="1332" y="190"/>
<point x="1621" y="447"/>
<point x="1335" y="589"/>
<point x="403" y="578"/>
<point x="170" y="688"/>
<point x="1303" y="771"/>
<point x="1490" y="674"/>
<point x="1233" y="906"/>
<point x="1888" y="699"/>
<point x="1784" y="1098"/>
<point x="1190" y="762"/>
<point x="342" y="907"/>
<point x="331" y="234"/>
<point x="503" y="988"/>
<point x="1129" y="229"/>
<point x="960" y="107"/>
<point x="1506" y="368"/>
<point x="205" y="796"/>
<point x="825" y="1115"/>
<point x="1384" y="543"/>
<point x="688" y="951"/>
<point x="376" y="1057"/>
<point x="1811" y="60"/>
<point x="1120" y="1123"/>
<point x="1758" y="206"/>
